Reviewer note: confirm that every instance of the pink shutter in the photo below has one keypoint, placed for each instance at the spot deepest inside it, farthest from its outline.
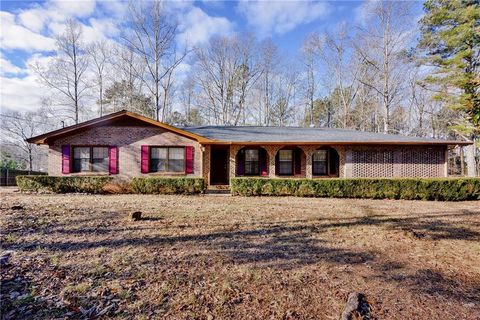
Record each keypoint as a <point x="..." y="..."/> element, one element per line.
<point x="66" y="159"/>
<point x="113" y="160"/>
<point x="145" y="160"/>
<point x="189" y="156"/>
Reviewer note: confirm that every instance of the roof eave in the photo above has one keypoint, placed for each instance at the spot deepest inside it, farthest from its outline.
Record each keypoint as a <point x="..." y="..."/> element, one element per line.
<point x="42" y="139"/>
<point x="419" y="143"/>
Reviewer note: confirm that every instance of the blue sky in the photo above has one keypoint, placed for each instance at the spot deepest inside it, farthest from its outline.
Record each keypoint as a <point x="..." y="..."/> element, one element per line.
<point x="28" y="29"/>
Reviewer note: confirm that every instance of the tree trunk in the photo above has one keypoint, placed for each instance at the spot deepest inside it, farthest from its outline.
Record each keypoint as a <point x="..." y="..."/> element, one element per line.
<point x="101" y="96"/>
<point x="471" y="163"/>
<point x="462" y="162"/>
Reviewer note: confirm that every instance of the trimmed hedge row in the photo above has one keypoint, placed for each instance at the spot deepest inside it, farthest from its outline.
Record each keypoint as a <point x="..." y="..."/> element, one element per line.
<point x="100" y="184"/>
<point x="444" y="189"/>
<point x="154" y="185"/>
<point x="63" y="184"/>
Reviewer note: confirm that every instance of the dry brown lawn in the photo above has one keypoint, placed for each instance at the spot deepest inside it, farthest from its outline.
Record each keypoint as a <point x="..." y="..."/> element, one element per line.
<point x="216" y="257"/>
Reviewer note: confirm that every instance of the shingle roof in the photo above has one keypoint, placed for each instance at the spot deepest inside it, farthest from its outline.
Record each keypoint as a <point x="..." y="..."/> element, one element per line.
<point x="249" y="134"/>
<point x="299" y="134"/>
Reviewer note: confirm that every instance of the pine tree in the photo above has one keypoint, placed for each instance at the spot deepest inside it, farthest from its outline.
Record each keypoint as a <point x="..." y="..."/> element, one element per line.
<point x="450" y="39"/>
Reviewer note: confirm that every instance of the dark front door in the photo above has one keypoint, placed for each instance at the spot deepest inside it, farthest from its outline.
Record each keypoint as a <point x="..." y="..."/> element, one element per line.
<point x="219" y="165"/>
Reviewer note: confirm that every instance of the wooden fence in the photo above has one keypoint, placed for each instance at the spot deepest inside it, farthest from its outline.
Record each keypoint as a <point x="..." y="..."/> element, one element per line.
<point x="8" y="177"/>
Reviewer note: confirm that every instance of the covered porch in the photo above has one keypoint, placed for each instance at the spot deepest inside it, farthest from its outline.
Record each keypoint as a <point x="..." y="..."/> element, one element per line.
<point x="272" y="161"/>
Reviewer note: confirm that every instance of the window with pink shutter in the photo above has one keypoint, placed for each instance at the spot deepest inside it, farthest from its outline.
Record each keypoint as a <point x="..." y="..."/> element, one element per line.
<point x="145" y="159"/>
<point x="66" y="159"/>
<point x="113" y="160"/>
<point x="189" y="159"/>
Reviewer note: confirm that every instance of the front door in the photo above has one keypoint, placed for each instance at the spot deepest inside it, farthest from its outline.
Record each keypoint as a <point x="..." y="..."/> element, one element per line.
<point x="219" y="165"/>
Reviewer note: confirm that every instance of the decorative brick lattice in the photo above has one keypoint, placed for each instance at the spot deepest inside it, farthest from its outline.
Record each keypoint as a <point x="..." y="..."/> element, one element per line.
<point x="387" y="162"/>
<point x="422" y="162"/>
<point x="341" y="160"/>
<point x="372" y="163"/>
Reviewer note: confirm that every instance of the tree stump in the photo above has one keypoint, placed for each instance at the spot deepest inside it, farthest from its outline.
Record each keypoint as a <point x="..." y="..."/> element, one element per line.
<point x="137" y="215"/>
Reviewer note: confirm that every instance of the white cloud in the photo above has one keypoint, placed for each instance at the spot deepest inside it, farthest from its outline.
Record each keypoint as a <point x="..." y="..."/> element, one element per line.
<point x="278" y="17"/>
<point x="20" y="93"/>
<point x="95" y="30"/>
<point x="197" y="27"/>
<point x="73" y="8"/>
<point x="14" y="36"/>
<point x="33" y="19"/>
<point x="364" y="11"/>
<point x="7" y="67"/>
<point x="57" y="11"/>
<point x="21" y="90"/>
<point x="114" y="8"/>
<point x="214" y="3"/>
<point x="33" y="30"/>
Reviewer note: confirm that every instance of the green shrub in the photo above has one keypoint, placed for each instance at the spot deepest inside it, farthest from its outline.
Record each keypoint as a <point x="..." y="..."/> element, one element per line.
<point x="164" y="185"/>
<point x="150" y="185"/>
<point x="444" y="189"/>
<point x="63" y="184"/>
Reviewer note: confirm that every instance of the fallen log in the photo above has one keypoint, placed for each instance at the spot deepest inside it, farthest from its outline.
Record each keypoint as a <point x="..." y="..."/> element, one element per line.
<point x="357" y="307"/>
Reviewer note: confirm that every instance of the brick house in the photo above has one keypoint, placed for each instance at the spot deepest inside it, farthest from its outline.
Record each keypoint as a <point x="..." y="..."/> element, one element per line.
<point x="127" y="145"/>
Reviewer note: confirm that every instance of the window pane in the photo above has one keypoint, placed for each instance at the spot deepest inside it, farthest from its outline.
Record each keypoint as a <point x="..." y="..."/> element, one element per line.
<point x="286" y="155"/>
<point x="252" y="167"/>
<point x="77" y="165"/>
<point x="251" y="155"/>
<point x="285" y="167"/>
<point x="320" y="162"/>
<point x="84" y="165"/>
<point x="286" y="162"/>
<point x="175" y="165"/>
<point x="81" y="159"/>
<point x="81" y="153"/>
<point x="176" y="153"/>
<point x="100" y="165"/>
<point x="158" y="165"/>
<point x="320" y="155"/>
<point x="159" y="153"/>
<point x="100" y="152"/>
<point x="319" y="167"/>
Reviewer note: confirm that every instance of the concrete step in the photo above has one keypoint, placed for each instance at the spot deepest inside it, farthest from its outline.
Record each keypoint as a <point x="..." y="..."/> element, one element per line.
<point x="218" y="190"/>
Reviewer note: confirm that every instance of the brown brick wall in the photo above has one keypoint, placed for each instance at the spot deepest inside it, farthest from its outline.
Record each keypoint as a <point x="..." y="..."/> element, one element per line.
<point x="129" y="141"/>
<point x="367" y="161"/>
<point x="355" y="161"/>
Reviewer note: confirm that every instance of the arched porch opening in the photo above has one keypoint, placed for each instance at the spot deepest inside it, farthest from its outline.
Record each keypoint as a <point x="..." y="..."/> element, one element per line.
<point x="325" y="162"/>
<point x="290" y="161"/>
<point x="251" y="161"/>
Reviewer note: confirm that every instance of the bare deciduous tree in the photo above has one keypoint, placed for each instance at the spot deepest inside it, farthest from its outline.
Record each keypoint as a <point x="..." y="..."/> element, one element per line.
<point x="310" y="51"/>
<point x="269" y="61"/>
<point x="285" y="97"/>
<point x="152" y="38"/>
<point x="100" y="54"/>
<point x="380" y="45"/>
<point x="16" y="127"/>
<point x="66" y="72"/>
<point x="341" y="71"/>
<point x="227" y="68"/>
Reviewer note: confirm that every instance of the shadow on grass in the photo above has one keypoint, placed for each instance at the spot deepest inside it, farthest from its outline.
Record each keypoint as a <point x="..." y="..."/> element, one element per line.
<point x="283" y="245"/>
<point x="434" y="283"/>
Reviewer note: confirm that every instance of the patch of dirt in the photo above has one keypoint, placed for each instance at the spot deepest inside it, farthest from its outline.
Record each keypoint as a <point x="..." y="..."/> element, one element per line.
<point x="197" y="257"/>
